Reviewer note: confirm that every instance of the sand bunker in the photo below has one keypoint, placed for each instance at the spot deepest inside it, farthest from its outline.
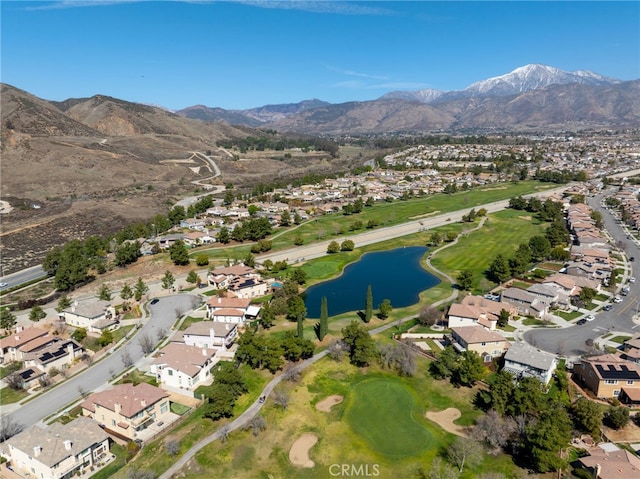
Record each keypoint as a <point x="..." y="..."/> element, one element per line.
<point x="326" y="404"/>
<point x="299" y="453"/>
<point x="445" y="419"/>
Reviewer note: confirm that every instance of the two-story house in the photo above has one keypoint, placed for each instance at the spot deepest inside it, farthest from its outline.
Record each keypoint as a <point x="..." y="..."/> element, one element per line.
<point x="126" y="409"/>
<point x="523" y="360"/>
<point x="182" y="366"/>
<point x="210" y="334"/>
<point x="488" y="344"/>
<point x="59" y="451"/>
<point x="94" y="316"/>
<point x="228" y="310"/>
<point x="608" y="375"/>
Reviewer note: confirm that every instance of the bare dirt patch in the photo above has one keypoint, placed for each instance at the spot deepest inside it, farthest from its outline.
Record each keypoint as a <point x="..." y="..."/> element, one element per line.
<point x="526" y="218"/>
<point x="299" y="453"/>
<point x="629" y="433"/>
<point x="326" y="404"/>
<point x="445" y="419"/>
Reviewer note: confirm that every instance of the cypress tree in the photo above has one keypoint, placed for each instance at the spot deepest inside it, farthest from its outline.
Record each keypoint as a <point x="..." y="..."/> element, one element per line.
<point x="300" y="327"/>
<point x="324" y="319"/>
<point x="368" y="307"/>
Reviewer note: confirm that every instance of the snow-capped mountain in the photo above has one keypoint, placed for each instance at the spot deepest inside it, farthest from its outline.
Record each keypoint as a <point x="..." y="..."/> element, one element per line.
<point x="533" y="77"/>
<point x="422" y="96"/>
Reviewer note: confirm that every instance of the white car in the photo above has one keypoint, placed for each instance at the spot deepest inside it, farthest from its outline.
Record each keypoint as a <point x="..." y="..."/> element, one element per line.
<point x="591" y="317"/>
<point x="617" y="299"/>
<point x="632" y="280"/>
<point x="3" y="284"/>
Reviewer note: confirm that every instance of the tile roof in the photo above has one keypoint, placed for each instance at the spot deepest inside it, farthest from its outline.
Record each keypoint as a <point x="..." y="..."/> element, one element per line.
<point x="203" y="328"/>
<point x="82" y="432"/>
<point x="218" y="302"/>
<point x="132" y="399"/>
<point x="477" y="334"/>
<point x="187" y="359"/>
<point x="525" y="354"/>
<point x="22" y="337"/>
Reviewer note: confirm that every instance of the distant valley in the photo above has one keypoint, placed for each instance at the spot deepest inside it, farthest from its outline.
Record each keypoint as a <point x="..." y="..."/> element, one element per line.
<point x="87" y="166"/>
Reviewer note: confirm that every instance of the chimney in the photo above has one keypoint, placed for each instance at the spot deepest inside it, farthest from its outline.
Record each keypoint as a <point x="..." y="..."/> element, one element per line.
<point x="143" y="402"/>
<point x="118" y="407"/>
<point x="204" y="351"/>
<point x="598" y="471"/>
<point x="219" y="300"/>
<point x="67" y="445"/>
<point x="227" y="326"/>
<point x="37" y="450"/>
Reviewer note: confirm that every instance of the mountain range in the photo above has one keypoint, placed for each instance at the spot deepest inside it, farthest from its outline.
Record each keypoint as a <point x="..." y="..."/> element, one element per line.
<point x="530" y="97"/>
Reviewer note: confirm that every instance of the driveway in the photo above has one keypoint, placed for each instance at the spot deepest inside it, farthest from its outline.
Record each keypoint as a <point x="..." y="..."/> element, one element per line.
<point x="571" y="341"/>
<point x="163" y="316"/>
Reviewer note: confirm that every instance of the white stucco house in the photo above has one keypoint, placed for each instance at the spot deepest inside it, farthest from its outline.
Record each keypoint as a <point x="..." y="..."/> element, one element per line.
<point x="59" y="451"/>
<point x="182" y="366"/>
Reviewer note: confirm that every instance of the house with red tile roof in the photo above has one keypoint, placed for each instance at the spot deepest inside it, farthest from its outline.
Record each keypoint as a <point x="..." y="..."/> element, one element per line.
<point x="125" y="409"/>
<point x="10" y="345"/>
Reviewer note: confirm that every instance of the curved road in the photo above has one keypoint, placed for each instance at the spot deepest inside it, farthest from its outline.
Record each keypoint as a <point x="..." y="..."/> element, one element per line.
<point x="163" y="316"/>
<point x="571" y="341"/>
<point x="246" y="416"/>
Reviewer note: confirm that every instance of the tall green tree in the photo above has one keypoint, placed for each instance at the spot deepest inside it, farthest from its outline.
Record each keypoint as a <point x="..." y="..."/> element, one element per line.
<point x="368" y="305"/>
<point x="63" y="303"/>
<point x="140" y="289"/>
<point x="104" y="293"/>
<point x="361" y="345"/>
<point x="323" y="328"/>
<point x="178" y="253"/>
<point x="126" y="293"/>
<point x="465" y="280"/>
<point x="499" y="270"/>
<point x="385" y="308"/>
<point x="223" y="235"/>
<point x="37" y="313"/>
<point x="168" y="279"/>
<point x="296" y="310"/>
<point x="300" y="326"/>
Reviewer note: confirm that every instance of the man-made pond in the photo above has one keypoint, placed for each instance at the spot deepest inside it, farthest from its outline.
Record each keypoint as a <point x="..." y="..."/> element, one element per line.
<point x="395" y="275"/>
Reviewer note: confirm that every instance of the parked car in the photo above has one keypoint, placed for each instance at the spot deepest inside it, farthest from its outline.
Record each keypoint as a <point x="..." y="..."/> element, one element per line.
<point x="3" y="284"/>
<point x="632" y="279"/>
<point x="633" y="258"/>
<point x="591" y="317"/>
<point x="154" y="300"/>
<point x="607" y="307"/>
<point x="624" y="292"/>
<point x="617" y="299"/>
<point x="581" y="322"/>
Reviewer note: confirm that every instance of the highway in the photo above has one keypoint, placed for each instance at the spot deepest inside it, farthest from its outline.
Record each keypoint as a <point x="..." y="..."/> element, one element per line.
<point x="24" y="276"/>
<point x="377" y="235"/>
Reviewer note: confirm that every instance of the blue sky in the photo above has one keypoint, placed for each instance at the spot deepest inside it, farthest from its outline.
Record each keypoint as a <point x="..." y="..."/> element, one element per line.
<point x="245" y="54"/>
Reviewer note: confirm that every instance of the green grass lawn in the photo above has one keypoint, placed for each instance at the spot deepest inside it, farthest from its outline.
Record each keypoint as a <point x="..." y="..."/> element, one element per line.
<point x="620" y="339"/>
<point x="179" y="409"/>
<point x="502" y="232"/>
<point x="10" y="396"/>
<point x="136" y="377"/>
<point x="568" y="315"/>
<point x="386" y="214"/>
<point x="384" y="412"/>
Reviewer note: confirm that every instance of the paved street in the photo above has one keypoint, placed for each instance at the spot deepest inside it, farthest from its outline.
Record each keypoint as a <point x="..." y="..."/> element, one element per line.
<point x="572" y="341"/>
<point x="163" y="316"/>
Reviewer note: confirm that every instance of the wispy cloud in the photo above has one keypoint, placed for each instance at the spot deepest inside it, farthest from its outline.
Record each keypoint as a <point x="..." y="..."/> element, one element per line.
<point x="362" y="85"/>
<point x="321" y="6"/>
<point x="353" y="73"/>
<point x="79" y="3"/>
<point x="316" y="6"/>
